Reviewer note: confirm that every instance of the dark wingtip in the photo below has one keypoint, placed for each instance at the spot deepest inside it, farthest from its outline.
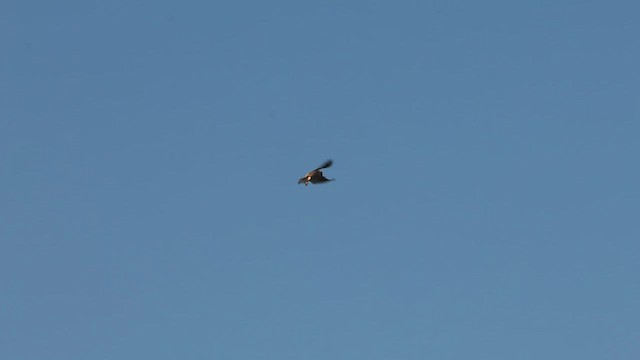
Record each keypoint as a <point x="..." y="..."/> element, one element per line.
<point x="326" y="164"/>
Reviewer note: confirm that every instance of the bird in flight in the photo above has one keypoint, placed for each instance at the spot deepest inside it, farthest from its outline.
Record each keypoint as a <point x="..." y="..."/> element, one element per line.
<point x="315" y="176"/>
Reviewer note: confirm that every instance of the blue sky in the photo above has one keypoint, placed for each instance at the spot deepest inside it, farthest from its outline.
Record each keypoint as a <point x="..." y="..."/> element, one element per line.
<point x="485" y="205"/>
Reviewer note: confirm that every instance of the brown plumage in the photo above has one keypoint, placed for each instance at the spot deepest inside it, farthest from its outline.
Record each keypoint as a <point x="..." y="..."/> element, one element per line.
<point x="315" y="176"/>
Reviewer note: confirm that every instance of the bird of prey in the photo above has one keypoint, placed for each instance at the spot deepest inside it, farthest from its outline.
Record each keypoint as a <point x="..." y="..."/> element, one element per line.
<point x="315" y="176"/>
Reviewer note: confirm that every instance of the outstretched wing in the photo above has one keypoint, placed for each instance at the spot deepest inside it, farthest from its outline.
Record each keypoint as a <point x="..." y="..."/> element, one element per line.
<point x="325" y="165"/>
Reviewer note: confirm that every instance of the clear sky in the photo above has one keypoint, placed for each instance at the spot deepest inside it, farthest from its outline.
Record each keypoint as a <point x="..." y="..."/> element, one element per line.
<point x="486" y="202"/>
